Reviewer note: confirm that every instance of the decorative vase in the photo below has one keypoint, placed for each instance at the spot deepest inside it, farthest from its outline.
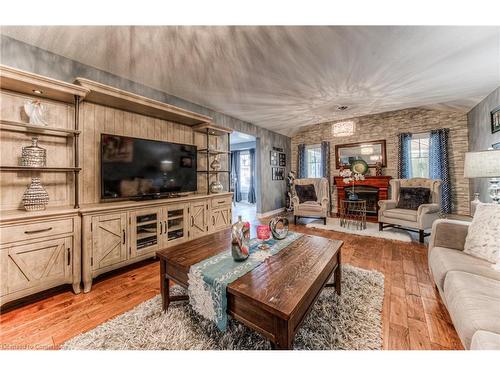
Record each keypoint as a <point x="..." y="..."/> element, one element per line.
<point x="34" y="156"/>
<point x="35" y="198"/>
<point x="240" y="240"/>
<point x="216" y="187"/>
<point x="279" y="227"/>
<point x="36" y="112"/>
<point x="474" y="203"/>
<point x="215" y="165"/>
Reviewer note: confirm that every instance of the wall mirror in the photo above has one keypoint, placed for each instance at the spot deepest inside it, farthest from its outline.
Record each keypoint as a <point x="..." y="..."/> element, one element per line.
<point x="371" y="152"/>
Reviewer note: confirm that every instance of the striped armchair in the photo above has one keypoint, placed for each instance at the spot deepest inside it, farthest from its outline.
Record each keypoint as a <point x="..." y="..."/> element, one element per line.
<point x="312" y="209"/>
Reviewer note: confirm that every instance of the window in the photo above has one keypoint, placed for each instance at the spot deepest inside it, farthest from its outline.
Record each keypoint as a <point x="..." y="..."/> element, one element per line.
<point x="419" y="150"/>
<point x="313" y="161"/>
<point x="244" y="171"/>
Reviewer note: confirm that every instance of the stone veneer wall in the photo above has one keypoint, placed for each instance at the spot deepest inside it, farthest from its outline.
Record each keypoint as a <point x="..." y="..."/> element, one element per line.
<point x="387" y="126"/>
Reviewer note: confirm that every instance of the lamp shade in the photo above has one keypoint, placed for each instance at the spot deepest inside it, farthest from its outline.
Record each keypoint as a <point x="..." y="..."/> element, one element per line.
<point x="482" y="164"/>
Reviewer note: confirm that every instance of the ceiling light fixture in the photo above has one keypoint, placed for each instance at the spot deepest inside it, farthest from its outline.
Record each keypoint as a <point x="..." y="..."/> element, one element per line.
<point x="39" y="92"/>
<point x="343" y="129"/>
<point x="342" y="107"/>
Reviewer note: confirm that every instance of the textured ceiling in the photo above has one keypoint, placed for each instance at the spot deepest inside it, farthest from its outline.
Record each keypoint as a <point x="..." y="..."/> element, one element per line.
<point x="282" y="78"/>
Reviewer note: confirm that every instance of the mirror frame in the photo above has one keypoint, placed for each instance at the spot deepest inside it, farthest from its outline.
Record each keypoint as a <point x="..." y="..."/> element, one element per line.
<point x="380" y="142"/>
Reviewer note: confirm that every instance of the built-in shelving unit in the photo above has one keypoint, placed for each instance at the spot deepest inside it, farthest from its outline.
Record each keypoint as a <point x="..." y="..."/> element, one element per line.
<point x="212" y="130"/>
<point x="15" y="168"/>
<point x="37" y="86"/>
<point x="23" y="127"/>
<point x="120" y="99"/>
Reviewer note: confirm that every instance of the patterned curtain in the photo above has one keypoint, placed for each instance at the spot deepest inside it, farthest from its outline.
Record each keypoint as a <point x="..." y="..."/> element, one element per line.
<point x="301" y="161"/>
<point x="325" y="166"/>
<point x="404" y="152"/>
<point x="235" y="174"/>
<point x="439" y="165"/>
<point x="251" y="189"/>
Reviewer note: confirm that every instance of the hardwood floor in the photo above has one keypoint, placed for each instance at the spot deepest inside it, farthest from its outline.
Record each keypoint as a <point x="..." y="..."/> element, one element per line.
<point x="413" y="315"/>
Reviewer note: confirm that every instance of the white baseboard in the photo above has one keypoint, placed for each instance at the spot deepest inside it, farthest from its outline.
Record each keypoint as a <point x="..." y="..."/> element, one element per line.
<point x="270" y="213"/>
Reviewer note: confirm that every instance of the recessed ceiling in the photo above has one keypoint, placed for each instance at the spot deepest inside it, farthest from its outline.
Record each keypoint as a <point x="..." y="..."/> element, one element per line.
<point x="283" y="78"/>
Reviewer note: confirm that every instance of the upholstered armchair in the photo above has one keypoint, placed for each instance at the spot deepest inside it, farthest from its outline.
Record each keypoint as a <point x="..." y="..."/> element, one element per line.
<point x="414" y="220"/>
<point x="311" y="208"/>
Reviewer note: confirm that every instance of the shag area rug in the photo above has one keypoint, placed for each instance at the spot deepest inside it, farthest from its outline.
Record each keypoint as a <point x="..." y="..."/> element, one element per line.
<point x="370" y="231"/>
<point x="351" y="321"/>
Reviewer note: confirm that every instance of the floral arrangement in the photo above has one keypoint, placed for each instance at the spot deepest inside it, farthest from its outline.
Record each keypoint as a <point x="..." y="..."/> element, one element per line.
<point x="349" y="176"/>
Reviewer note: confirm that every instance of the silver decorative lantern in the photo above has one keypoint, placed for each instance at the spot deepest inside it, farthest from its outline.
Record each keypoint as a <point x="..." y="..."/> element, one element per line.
<point x="34" y="156"/>
<point x="35" y="198"/>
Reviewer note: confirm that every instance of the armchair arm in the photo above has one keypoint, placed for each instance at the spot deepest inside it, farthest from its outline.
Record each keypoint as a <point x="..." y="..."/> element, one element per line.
<point x="449" y="233"/>
<point x="428" y="208"/>
<point x="387" y="204"/>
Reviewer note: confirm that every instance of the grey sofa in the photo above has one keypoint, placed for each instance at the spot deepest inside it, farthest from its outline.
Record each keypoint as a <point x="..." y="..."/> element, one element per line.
<point x="469" y="286"/>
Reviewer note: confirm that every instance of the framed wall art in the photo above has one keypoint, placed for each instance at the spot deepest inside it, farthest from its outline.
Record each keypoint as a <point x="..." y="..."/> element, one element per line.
<point x="278" y="173"/>
<point x="274" y="157"/>
<point x="282" y="160"/>
<point x="495" y="120"/>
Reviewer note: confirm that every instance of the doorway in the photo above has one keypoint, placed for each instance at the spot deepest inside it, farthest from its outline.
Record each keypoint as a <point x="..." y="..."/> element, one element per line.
<point x="243" y="175"/>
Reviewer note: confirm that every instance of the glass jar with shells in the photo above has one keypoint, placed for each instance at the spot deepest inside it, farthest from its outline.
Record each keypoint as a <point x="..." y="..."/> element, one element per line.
<point x="34" y="155"/>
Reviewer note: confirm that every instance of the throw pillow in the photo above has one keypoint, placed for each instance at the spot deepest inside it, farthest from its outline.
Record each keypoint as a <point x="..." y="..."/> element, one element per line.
<point x="483" y="237"/>
<point x="306" y="193"/>
<point x="411" y="198"/>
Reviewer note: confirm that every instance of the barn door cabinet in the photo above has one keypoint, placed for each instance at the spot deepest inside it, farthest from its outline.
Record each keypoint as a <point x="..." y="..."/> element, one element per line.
<point x="116" y="235"/>
<point x="39" y="255"/>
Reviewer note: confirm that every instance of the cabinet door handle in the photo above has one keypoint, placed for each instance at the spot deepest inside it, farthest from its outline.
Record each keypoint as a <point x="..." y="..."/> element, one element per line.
<point x="37" y="231"/>
<point x="161" y="227"/>
<point x="69" y="256"/>
<point x="213" y="220"/>
<point x="123" y="236"/>
<point x="166" y="228"/>
<point x="192" y="221"/>
<point x="221" y="202"/>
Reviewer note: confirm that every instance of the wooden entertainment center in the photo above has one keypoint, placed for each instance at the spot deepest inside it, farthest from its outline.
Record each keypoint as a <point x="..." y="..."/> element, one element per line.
<point x="78" y="236"/>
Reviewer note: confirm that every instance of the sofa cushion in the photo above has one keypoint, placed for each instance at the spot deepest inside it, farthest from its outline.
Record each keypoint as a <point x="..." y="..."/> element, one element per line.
<point x="473" y="303"/>
<point x="443" y="260"/>
<point x="483" y="237"/>
<point x="306" y="193"/>
<point x="483" y="340"/>
<point x="411" y="198"/>
<point x="310" y="207"/>
<point x="401" y="214"/>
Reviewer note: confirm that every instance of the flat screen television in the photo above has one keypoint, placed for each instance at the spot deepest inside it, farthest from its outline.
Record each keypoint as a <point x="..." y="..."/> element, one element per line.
<point x="140" y="168"/>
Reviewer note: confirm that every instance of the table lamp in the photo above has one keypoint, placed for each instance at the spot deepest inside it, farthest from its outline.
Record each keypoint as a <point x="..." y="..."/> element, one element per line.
<point x="485" y="164"/>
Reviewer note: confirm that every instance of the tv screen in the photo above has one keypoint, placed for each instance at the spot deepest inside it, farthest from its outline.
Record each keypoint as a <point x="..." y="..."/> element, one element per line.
<point x="133" y="167"/>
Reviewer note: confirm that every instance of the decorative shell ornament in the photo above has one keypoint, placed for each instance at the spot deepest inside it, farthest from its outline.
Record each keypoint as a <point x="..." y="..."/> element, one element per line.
<point x="36" y="112"/>
<point x="279" y="227"/>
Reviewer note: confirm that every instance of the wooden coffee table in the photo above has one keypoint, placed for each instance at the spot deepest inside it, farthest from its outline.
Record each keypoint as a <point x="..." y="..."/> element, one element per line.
<point x="273" y="298"/>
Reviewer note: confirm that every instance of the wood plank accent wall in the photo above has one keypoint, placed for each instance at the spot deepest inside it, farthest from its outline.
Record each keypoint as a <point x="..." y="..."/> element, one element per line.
<point x="59" y="186"/>
<point x="96" y="119"/>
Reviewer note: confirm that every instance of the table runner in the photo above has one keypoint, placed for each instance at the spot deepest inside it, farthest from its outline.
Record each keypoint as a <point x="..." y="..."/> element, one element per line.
<point x="208" y="279"/>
